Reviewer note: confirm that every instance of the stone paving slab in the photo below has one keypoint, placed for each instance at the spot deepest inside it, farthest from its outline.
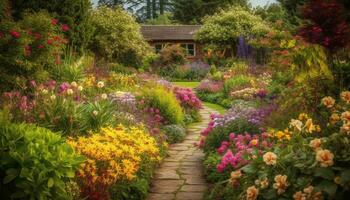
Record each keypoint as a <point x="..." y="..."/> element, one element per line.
<point x="181" y="176"/>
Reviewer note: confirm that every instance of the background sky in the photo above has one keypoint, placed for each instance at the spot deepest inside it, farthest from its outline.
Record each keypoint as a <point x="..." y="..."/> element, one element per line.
<point x="253" y="2"/>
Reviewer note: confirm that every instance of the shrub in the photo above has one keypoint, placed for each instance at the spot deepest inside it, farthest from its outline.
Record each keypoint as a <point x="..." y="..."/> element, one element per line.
<point x="235" y="83"/>
<point x="166" y="102"/>
<point x="72" y="14"/>
<point x="174" y="133"/>
<point x="29" y="48"/>
<point x="117" y="36"/>
<point x="36" y="163"/>
<point x="113" y="156"/>
<point x="172" y="54"/>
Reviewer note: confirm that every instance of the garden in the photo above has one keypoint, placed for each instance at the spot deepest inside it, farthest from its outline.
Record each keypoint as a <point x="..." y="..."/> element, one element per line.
<point x="89" y="110"/>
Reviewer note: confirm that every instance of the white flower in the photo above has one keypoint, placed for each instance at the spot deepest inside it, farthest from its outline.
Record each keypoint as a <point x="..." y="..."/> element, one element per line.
<point x="80" y="88"/>
<point x="69" y="91"/>
<point x="296" y="124"/>
<point x="104" y="96"/>
<point x="100" y="84"/>
<point x="95" y="112"/>
<point x="53" y="97"/>
<point x="74" y="84"/>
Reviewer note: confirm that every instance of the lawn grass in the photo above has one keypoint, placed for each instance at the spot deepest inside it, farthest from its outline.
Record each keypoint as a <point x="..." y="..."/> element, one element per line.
<point x="216" y="107"/>
<point x="186" y="84"/>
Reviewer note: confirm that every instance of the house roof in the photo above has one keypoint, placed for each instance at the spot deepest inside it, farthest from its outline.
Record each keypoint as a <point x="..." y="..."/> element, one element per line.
<point x="169" y="32"/>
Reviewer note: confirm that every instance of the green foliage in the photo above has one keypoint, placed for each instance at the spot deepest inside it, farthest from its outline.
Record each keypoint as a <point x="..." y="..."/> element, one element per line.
<point x="164" y="19"/>
<point x="96" y="115"/>
<point x="71" y="69"/>
<point x="221" y="133"/>
<point x="137" y="189"/>
<point x="117" y="36"/>
<point x="236" y="83"/>
<point x="35" y="163"/>
<point x="74" y="13"/>
<point x="166" y="102"/>
<point x="172" y="55"/>
<point x="174" y="133"/>
<point x="191" y="12"/>
<point x="226" y="26"/>
<point x="25" y="52"/>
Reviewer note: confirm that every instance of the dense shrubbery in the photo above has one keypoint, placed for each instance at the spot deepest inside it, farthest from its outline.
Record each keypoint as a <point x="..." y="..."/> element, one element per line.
<point x="35" y="163"/>
<point x="174" y="133"/>
<point x="117" y="36"/>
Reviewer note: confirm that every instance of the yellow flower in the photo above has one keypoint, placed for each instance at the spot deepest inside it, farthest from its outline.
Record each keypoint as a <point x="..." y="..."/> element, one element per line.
<point x="328" y="102"/>
<point x="80" y="88"/>
<point x="252" y="193"/>
<point x="281" y="183"/>
<point x="280" y="134"/>
<point x="104" y="96"/>
<point x="345" y="96"/>
<point x="270" y="158"/>
<point x="337" y="180"/>
<point x="100" y="84"/>
<point x="303" y="116"/>
<point x="70" y="92"/>
<point x="324" y="157"/>
<point x="345" y="116"/>
<point x="74" y="84"/>
<point x="315" y="144"/>
<point x="334" y="118"/>
<point x="254" y="142"/>
<point x="309" y="126"/>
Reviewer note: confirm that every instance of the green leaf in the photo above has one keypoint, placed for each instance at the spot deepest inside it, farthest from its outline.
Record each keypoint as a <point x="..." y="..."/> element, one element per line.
<point x="345" y="176"/>
<point x="326" y="173"/>
<point x="328" y="186"/>
<point x="250" y="169"/>
<point x="9" y="178"/>
<point x="50" y="182"/>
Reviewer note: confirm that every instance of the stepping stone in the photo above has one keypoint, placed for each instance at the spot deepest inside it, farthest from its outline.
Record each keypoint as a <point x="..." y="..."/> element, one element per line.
<point x="194" y="188"/>
<point x="166" y="186"/>
<point x="166" y="173"/>
<point x="189" y="196"/>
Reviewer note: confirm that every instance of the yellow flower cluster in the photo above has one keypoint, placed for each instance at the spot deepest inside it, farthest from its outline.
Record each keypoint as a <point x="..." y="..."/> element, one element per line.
<point x="122" y="80"/>
<point x="114" y="154"/>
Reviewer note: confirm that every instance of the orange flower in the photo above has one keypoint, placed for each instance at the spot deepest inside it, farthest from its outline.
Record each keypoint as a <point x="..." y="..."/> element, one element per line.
<point x="334" y="118"/>
<point x="264" y="183"/>
<point x="328" y="102"/>
<point x="270" y="158"/>
<point x="315" y="144"/>
<point x="324" y="157"/>
<point x="252" y="193"/>
<point x="345" y="96"/>
<point x="345" y="116"/>
<point x="299" y="196"/>
<point x="281" y="183"/>
<point x="346" y="128"/>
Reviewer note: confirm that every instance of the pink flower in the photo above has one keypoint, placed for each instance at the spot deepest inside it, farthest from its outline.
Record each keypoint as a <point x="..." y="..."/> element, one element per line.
<point x="49" y="42"/>
<point x="64" y="27"/>
<point x="54" y="22"/>
<point x="232" y="136"/>
<point x="15" y="34"/>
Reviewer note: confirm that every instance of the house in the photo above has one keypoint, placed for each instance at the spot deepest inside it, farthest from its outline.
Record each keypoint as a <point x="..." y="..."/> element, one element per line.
<point x="159" y="36"/>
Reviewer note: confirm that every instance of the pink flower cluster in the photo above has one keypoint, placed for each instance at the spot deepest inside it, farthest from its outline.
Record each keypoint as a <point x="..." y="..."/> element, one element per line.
<point x="187" y="98"/>
<point x="238" y="146"/>
<point x="210" y="86"/>
<point x="206" y="131"/>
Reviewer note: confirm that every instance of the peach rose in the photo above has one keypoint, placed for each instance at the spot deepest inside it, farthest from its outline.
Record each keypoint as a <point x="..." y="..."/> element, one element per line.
<point x="308" y="190"/>
<point x="345" y="116"/>
<point x="280" y="184"/>
<point x="270" y="158"/>
<point x="334" y="118"/>
<point x="264" y="183"/>
<point x="252" y="193"/>
<point x="345" y="96"/>
<point x="328" y="102"/>
<point x="346" y="128"/>
<point x="299" y="196"/>
<point x="235" y="175"/>
<point x="315" y="143"/>
<point x="324" y="157"/>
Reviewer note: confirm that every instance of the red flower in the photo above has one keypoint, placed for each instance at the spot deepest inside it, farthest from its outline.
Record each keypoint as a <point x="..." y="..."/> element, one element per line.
<point x="37" y="36"/>
<point x="40" y="46"/>
<point x="54" y="22"/>
<point x="49" y="42"/>
<point x="15" y="34"/>
<point x="64" y="27"/>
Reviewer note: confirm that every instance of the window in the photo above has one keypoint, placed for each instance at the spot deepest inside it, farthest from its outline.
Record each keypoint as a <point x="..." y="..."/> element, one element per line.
<point x="190" y="48"/>
<point x="158" y="47"/>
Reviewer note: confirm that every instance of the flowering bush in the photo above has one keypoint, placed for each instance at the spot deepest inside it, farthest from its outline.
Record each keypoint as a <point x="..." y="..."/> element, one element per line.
<point x="209" y="86"/>
<point x="187" y="98"/>
<point x="304" y="163"/>
<point x="113" y="156"/>
<point x="29" y="45"/>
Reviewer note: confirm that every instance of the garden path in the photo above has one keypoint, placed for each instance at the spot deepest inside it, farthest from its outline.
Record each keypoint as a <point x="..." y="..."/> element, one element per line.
<point x="181" y="175"/>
